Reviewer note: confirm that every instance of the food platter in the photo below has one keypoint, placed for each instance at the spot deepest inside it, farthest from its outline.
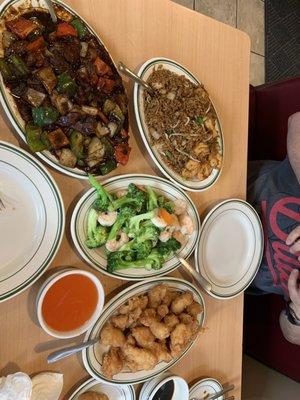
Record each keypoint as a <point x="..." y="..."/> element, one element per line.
<point x="145" y="72"/>
<point x="52" y="154"/>
<point x="113" y="392"/>
<point x="97" y="257"/>
<point x="234" y="228"/>
<point x="92" y="357"/>
<point x="24" y="182"/>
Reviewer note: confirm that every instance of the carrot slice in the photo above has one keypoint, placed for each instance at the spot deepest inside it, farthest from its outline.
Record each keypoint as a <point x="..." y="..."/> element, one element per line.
<point x="166" y="216"/>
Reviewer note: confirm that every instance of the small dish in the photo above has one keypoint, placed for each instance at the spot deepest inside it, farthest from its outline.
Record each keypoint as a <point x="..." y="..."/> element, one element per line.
<point x="138" y="101"/>
<point x="50" y="287"/>
<point x="152" y="390"/>
<point x="113" y="392"/>
<point x="97" y="257"/>
<point x="92" y="357"/>
<point x="206" y="387"/>
<point x="234" y="228"/>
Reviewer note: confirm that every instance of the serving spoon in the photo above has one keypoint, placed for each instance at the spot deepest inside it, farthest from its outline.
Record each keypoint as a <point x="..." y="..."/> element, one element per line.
<point x="51" y="10"/>
<point x="126" y="71"/>
<point x="198" y="277"/>
<point x="69" y="351"/>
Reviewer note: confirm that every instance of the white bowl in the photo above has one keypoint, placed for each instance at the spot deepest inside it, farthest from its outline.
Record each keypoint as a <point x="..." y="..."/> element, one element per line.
<point x="151" y="387"/>
<point x="49" y="283"/>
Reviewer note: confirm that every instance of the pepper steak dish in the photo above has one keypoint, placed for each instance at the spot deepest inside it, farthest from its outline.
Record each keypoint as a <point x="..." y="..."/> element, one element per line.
<point x="67" y="90"/>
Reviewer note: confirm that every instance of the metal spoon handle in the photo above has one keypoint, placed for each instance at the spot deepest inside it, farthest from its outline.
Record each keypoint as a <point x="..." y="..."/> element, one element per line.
<point x="199" y="278"/>
<point x="68" y="351"/>
<point x="126" y="71"/>
<point x="221" y="393"/>
<point x="51" y="10"/>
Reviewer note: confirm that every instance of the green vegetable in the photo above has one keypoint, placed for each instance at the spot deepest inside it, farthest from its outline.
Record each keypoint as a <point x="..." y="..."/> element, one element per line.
<point x="116" y="261"/>
<point x="109" y="148"/>
<point x="120" y="202"/>
<point x="138" y="194"/>
<point x="109" y="166"/>
<point x="43" y="116"/>
<point x="104" y="198"/>
<point x="152" y="199"/>
<point x="66" y="84"/>
<point x="134" y="222"/>
<point x="5" y="71"/>
<point x="96" y="234"/>
<point x="165" y="203"/>
<point x="77" y="144"/>
<point x="199" y="120"/>
<point x="34" y="138"/>
<point x="167" y="249"/>
<point x="169" y="131"/>
<point x="168" y="154"/>
<point x="80" y="27"/>
<point x="45" y="140"/>
<point x="124" y="215"/>
<point x="18" y="65"/>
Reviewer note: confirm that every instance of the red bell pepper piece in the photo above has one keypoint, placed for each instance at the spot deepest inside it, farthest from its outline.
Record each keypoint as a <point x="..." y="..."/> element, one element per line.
<point x="122" y="152"/>
<point x="65" y="29"/>
<point x="36" y="45"/>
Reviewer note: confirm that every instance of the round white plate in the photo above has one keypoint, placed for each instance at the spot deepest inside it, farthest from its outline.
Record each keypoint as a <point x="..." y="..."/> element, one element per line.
<point x="92" y="357"/>
<point x="205" y="387"/>
<point x="138" y="101"/>
<point x="97" y="258"/>
<point x="112" y="392"/>
<point x="230" y="248"/>
<point x="32" y="223"/>
<point x="7" y="100"/>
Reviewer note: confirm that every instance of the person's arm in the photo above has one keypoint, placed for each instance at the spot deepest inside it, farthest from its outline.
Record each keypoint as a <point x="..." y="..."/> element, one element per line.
<point x="293" y="143"/>
<point x="290" y="331"/>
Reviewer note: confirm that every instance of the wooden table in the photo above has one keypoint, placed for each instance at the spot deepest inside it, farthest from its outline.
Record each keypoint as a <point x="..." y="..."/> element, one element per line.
<point x="134" y="31"/>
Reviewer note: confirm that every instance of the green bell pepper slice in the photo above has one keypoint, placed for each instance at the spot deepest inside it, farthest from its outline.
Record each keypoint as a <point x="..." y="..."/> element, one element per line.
<point x="43" y="116"/>
<point x="18" y="65"/>
<point x="34" y="138"/>
<point x="109" y="166"/>
<point x="80" y="27"/>
<point x="66" y="84"/>
<point x="77" y="144"/>
<point x="5" y="71"/>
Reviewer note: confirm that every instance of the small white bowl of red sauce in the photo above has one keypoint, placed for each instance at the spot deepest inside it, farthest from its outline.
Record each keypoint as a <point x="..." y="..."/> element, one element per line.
<point x="69" y="303"/>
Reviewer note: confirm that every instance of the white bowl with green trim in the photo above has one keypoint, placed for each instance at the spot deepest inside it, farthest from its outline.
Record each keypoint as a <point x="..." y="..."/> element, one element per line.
<point x="97" y="257"/>
<point x="92" y="357"/>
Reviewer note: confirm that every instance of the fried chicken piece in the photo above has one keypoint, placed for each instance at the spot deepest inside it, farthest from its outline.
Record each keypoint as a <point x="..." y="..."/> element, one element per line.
<point x="148" y="315"/>
<point x="186" y="318"/>
<point x="159" y="329"/>
<point x="156" y="295"/>
<point x="171" y="320"/>
<point x="130" y="340"/>
<point x="120" y="321"/>
<point x="181" y="302"/>
<point x="194" y="309"/>
<point x="195" y="328"/>
<point x="111" y="336"/>
<point x="138" y="359"/>
<point x="133" y="317"/>
<point x="169" y="297"/>
<point x="112" y="362"/>
<point x="161" y="351"/>
<point x="143" y="336"/>
<point x="180" y="337"/>
<point x="133" y="303"/>
<point x="162" y="310"/>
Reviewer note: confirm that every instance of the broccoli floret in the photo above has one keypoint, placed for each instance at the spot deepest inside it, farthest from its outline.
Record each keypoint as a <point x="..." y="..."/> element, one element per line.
<point x="116" y="261"/>
<point x="139" y="250"/>
<point x="124" y="214"/>
<point x="96" y="234"/>
<point x="152" y="199"/>
<point x="134" y="222"/>
<point x="167" y="204"/>
<point x="104" y="198"/>
<point x="167" y="249"/>
<point x="121" y="202"/>
<point x="148" y="232"/>
<point x="139" y="195"/>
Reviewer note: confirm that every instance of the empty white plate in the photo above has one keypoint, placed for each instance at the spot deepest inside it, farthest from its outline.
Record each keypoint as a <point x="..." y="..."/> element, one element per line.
<point x="31" y="220"/>
<point x="230" y="248"/>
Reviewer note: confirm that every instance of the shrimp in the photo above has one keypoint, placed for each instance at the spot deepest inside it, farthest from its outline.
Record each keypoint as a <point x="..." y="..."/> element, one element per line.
<point x="179" y="206"/>
<point x="186" y="223"/>
<point x="166" y="233"/>
<point x="115" y="244"/>
<point x="121" y="193"/>
<point x="107" y="218"/>
<point x="179" y="237"/>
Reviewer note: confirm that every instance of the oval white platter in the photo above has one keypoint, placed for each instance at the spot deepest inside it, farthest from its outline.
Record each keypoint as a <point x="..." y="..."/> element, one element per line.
<point x="92" y="357"/>
<point x="32" y="222"/>
<point x="138" y="101"/>
<point x="230" y="248"/>
<point x="124" y="392"/>
<point x="97" y="258"/>
<point x="7" y="100"/>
